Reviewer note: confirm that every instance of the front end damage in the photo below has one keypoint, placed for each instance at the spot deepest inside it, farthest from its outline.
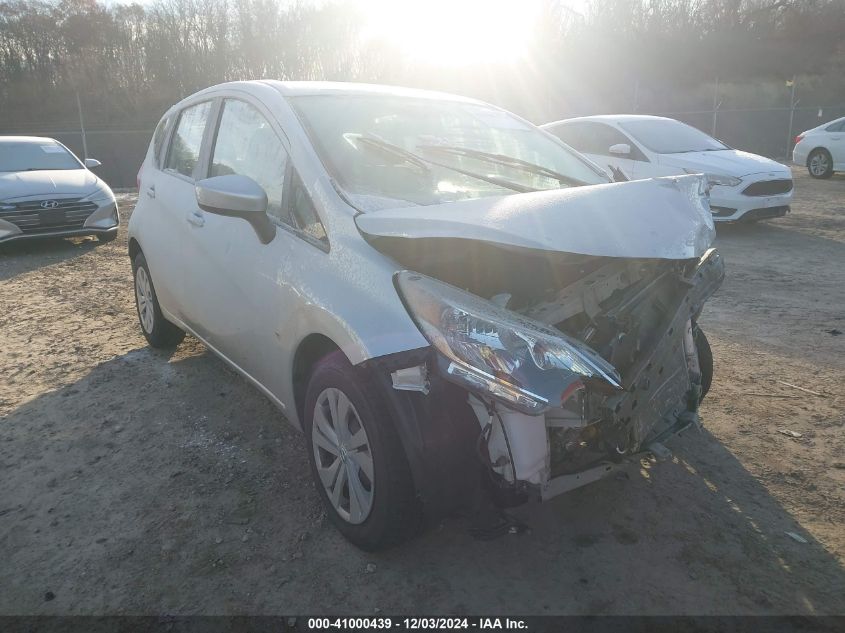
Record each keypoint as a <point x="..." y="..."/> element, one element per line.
<point x="579" y="425"/>
<point x="551" y="369"/>
<point x="639" y="316"/>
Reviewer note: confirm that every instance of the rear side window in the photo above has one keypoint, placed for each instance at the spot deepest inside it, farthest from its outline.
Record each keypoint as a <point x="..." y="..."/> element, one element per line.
<point x="184" y="150"/>
<point x="248" y="146"/>
<point x="839" y="126"/>
<point x="158" y="139"/>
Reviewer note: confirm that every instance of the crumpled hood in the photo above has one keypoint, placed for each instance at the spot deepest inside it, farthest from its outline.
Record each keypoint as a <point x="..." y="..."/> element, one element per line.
<point x="20" y="184"/>
<point x="663" y="218"/>
<point x="729" y="162"/>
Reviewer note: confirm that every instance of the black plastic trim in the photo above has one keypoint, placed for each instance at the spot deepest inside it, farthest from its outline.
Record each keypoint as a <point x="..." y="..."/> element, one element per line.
<point x="438" y="431"/>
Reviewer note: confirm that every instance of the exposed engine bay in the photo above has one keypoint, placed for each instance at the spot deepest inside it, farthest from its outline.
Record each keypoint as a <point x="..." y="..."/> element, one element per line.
<point x="638" y="316"/>
<point x="569" y="317"/>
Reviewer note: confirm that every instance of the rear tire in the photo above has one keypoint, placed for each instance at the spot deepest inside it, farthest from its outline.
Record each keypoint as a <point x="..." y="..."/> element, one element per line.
<point x="158" y="331"/>
<point x="353" y="439"/>
<point x="705" y="359"/>
<point x="820" y="164"/>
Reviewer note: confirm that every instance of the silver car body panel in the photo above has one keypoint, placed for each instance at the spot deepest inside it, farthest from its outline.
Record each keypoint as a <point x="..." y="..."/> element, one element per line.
<point x="255" y="304"/>
<point x="24" y="185"/>
<point x="53" y="185"/>
<point x="664" y="218"/>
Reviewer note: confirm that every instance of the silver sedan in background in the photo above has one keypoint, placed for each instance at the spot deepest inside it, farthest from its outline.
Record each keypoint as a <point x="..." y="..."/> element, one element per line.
<point x="46" y="191"/>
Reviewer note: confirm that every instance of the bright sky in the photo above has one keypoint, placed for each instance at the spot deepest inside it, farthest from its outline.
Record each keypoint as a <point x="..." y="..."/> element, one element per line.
<point x="454" y="32"/>
<point x="450" y="32"/>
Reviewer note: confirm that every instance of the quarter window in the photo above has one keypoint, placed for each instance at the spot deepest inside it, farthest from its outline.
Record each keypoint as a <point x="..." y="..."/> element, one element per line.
<point x="158" y="139"/>
<point x="248" y="146"/>
<point x="187" y="140"/>
<point x="302" y="213"/>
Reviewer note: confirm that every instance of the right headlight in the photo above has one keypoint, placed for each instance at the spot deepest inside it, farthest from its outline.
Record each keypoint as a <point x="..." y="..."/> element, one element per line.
<point x="722" y="180"/>
<point x="517" y="360"/>
<point x="101" y="195"/>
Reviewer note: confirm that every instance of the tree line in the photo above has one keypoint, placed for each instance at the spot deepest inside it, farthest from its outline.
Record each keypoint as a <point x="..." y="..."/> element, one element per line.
<point x="128" y="62"/>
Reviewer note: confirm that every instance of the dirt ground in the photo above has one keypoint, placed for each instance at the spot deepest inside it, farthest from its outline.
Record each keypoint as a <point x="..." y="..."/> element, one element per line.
<point x="133" y="481"/>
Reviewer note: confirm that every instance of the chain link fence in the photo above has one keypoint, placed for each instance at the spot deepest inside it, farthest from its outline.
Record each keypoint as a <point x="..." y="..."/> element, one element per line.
<point x="764" y="131"/>
<point x="120" y="151"/>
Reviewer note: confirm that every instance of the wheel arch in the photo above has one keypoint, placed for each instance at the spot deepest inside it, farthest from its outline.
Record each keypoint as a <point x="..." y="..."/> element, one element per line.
<point x="816" y="149"/>
<point x="308" y="353"/>
<point x="134" y="248"/>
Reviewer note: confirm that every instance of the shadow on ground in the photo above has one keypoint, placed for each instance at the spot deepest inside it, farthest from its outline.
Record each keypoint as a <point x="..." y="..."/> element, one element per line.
<point x="159" y="484"/>
<point x="17" y="258"/>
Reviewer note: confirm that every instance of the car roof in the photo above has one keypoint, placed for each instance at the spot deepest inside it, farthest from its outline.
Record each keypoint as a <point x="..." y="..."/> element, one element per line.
<point x="610" y="118"/>
<point x="337" y="88"/>
<point x="27" y="139"/>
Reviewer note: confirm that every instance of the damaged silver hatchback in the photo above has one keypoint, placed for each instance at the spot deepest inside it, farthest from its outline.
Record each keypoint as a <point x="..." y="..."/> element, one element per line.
<point x="459" y="311"/>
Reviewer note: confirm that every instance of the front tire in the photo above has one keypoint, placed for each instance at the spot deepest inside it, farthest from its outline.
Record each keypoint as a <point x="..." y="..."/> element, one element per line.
<point x="105" y="238"/>
<point x="357" y="460"/>
<point x="820" y="164"/>
<point x="158" y="331"/>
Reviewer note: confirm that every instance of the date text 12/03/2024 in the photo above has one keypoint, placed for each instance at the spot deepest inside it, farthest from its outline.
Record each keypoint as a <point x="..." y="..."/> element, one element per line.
<point x="413" y="624"/>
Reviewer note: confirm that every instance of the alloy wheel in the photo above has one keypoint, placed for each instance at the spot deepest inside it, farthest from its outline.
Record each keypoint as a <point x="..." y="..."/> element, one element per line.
<point x="144" y="297"/>
<point x="343" y="456"/>
<point x="819" y="164"/>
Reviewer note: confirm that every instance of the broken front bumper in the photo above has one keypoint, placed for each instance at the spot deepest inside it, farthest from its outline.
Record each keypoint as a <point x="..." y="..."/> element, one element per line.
<point x="451" y="436"/>
<point x="662" y="390"/>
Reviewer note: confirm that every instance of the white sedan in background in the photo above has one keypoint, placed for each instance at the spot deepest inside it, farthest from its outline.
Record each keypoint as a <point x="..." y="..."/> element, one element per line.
<point x="744" y="186"/>
<point x="822" y="149"/>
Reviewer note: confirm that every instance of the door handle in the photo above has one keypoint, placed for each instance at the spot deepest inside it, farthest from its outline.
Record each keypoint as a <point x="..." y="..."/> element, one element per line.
<point x="151" y="191"/>
<point x="195" y="218"/>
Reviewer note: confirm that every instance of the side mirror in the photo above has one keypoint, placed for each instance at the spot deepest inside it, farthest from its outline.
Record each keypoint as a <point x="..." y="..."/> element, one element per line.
<point x="620" y="149"/>
<point x="91" y="163"/>
<point x="235" y="196"/>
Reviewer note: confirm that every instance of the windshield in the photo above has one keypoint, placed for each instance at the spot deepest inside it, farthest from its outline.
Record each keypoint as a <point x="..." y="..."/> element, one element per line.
<point x="32" y="156"/>
<point x="666" y="136"/>
<point x="425" y="151"/>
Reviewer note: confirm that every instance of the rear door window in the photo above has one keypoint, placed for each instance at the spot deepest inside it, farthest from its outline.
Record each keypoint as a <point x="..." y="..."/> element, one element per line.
<point x="184" y="152"/>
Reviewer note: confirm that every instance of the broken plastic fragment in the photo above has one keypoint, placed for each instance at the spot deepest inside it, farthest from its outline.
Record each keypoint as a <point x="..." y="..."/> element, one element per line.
<point x="796" y="537"/>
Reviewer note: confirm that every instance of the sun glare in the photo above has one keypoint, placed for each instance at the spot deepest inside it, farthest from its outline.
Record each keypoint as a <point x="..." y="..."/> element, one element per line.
<point x="453" y="32"/>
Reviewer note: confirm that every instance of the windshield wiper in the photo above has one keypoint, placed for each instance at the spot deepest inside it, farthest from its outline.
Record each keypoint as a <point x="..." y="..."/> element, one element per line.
<point x="423" y="163"/>
<point x="507" y="161"/>
<point x="395" y="150"/>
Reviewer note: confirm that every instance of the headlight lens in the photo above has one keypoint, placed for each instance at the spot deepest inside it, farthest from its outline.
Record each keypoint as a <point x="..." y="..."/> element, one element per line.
<point x="487" y="348"/>
<point x="100" y="195"/>
<point x="722" y="180"/>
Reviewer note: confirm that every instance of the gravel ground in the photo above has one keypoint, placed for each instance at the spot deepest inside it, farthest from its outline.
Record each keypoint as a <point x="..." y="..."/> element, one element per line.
<point x="137" y="482"/>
